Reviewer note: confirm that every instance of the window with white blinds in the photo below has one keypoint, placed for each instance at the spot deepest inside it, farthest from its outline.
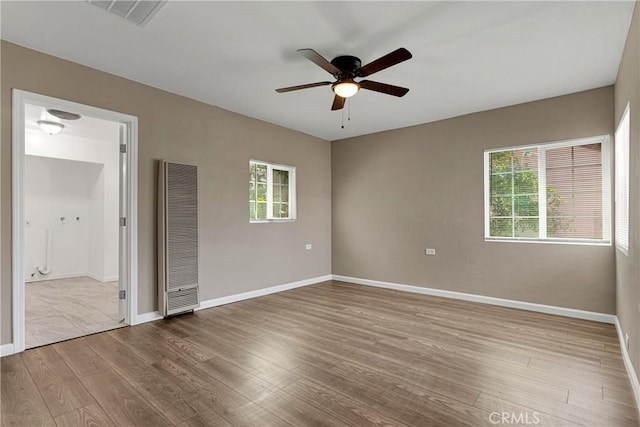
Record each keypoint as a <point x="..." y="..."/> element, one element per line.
<point x="622" y="183"/>
<point x="555" y="192"/>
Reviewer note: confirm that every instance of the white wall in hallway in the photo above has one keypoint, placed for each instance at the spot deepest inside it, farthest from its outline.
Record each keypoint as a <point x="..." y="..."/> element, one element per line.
<point x="56" y="188"/>
<point x="101" y="197"/>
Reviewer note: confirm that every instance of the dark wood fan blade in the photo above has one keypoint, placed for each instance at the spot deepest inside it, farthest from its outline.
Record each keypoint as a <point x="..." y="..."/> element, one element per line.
<point x="384" y="88"/>
<point x="390" y="59"/>
<point x="307" y="86"/>
<point x="319" y="60"/>
<point x="338" y="103"/>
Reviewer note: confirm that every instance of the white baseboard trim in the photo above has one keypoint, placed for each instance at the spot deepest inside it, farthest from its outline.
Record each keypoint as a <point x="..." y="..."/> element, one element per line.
<point x="542" y="308"/>
<point x="102" y="279"/>
<point x="146" y="317"/>
<point x="261" y="292"/>
<point x="633" y="378"/>
<point x="39" y="278"/>
<point x="155" y="315"/>
<point x="6" y="349"/>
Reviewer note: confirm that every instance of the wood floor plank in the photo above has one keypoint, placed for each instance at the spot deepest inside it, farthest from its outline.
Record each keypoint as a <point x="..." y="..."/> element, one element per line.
<point x="245" y="383"/>
<point x="124" y="405"/>
<point x="253" y="415"/>
<point x="333" y="353"/>
<point x="205" y="419"/>
<point x="267" y="347"/>
<point x="22" y="405"/>
<point x="621" y="397"/>
<point x="89" y="416"/>
<point x="349" y="410"/>
<point x="405" y="406"/>
<point x="157" y="389"/>
<point x="58" y="385"/>
<point x="571" y="413"/>
<point x="296" y="412"/>
<point x="203" y="390"/>
<point x="518" y="414"/>
<point x="248" y="361"/>
<point x="597" y="377"/>
<point x="612" y="409"/>
<point x="80" y="357"/>
<point x="153" y="344"/>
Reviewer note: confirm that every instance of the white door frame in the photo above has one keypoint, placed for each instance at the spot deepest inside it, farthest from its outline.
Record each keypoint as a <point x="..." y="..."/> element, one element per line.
<point x="20" y="98"/>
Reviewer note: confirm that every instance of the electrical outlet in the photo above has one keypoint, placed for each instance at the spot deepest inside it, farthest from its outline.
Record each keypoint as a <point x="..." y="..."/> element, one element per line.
<point x="626" y="341"/>
<point x="430" y="251"/>
<point x="308" y="246"/>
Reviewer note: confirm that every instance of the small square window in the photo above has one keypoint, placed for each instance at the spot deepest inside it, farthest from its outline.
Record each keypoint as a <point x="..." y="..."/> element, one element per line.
<point x="272" y="194"/>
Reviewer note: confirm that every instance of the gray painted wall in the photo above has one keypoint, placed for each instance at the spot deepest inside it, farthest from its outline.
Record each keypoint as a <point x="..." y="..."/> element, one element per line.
<point x="235" y="256"/>
<point x="396" y="193"/>
<point x="627" y="90"/>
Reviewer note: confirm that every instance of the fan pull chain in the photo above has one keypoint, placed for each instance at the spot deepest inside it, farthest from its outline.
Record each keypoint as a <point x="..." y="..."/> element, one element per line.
<point x="348" y="102"/>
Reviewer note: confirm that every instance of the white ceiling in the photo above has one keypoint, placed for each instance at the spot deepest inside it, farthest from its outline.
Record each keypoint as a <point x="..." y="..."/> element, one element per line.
<point x="86" y="127"/>
<point x="467" y="56"/>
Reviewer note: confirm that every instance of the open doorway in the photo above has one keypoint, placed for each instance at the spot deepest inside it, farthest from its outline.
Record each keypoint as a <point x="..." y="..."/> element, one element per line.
<point x="71" y="202"/>
<point x="74" y="220"/>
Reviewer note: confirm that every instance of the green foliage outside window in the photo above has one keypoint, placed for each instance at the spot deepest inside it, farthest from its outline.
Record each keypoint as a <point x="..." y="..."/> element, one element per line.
<point x="514" y="198"/>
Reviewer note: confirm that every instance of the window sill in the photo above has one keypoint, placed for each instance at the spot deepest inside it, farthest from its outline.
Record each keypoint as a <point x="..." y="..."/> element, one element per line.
<point x="267" y="221"/>
<point x="625" y="251"/>
<point x="583" y="242"/>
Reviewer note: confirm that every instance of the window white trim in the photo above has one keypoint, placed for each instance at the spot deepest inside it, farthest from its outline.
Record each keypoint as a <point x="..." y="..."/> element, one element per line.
<point x="553" y="144"/>
<point x="622" y="140"/>
<point x="542" y="191"/>
<point x="542" y="147"/>
<point x="292" y="192"/>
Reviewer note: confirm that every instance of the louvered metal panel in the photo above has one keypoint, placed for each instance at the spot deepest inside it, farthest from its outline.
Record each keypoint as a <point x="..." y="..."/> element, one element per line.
<point x="177" y="237"/>
<point x="177" y="300"/>
<point x="137" y="12"/>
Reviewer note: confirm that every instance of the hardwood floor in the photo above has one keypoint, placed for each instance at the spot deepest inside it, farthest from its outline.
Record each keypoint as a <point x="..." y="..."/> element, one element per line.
<point x="331" y="354"/>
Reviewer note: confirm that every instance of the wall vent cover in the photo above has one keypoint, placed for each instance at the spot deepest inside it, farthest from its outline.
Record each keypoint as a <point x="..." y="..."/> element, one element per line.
<point x="177" y="238"/>
<point x="139" y="12"/>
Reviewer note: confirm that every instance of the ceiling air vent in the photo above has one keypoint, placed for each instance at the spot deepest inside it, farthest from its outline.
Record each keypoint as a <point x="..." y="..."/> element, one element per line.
<point x="139" y="12"/>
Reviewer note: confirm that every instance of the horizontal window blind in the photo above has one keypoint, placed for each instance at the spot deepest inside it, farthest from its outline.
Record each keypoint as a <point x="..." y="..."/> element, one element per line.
<point x="622" y="183"/>
<point x="574" y="192"/>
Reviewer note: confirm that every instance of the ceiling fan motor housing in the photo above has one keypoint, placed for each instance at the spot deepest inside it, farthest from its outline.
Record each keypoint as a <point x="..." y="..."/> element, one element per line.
<point x="348" y="65"/>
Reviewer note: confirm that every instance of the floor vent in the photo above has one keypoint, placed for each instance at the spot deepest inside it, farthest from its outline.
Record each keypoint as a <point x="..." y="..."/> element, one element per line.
<point x="139" y="12"/>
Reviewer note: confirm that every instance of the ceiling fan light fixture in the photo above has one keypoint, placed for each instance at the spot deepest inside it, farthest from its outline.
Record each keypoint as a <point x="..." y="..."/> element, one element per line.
<point x="345" y="68"/>
<point x="49" y="127"/>
<point x="345" y="88"/>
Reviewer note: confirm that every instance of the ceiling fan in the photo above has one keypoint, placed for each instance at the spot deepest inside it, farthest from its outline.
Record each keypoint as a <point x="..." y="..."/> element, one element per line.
<point x="346" y="68"/>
